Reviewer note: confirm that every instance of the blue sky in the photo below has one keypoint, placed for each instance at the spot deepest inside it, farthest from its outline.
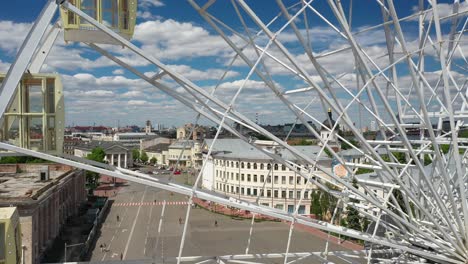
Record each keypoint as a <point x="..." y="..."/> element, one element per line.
<point x="98" y="91"/>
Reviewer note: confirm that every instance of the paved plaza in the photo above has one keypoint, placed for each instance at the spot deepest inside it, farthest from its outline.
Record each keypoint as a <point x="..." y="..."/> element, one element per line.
<point x="130" y="230"/>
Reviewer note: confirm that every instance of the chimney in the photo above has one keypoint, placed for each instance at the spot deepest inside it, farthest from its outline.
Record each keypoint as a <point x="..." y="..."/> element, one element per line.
<point x="44" y="173"/>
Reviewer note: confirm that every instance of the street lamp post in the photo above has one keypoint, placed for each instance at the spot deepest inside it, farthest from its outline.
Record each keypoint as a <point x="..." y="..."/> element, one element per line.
<point x="67" y="246"/>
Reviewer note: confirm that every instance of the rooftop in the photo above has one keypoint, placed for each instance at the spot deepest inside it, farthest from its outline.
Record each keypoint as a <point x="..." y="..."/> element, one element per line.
<point x="23" y="181"/>
<point x="179" y="144"/>
<point x="158" y="148"/>
<point x="239" y="149"/>
<point x="105" y="145"/>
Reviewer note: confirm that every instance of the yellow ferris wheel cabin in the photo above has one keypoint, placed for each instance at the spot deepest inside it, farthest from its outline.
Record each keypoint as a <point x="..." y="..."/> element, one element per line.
<point x="118" y="15"/>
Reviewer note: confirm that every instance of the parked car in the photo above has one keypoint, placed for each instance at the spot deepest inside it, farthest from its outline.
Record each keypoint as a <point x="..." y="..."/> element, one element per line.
<point x="177" y="172"/>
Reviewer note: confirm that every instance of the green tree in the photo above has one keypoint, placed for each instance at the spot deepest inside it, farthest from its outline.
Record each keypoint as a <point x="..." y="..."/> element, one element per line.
<point x="144" y="157"/>
<point x="98" y="155"/>
<point x="315" y="207"/>
<point x="353" y="219"/>
<point x="136" y="154"/>
<point x="153" y="160"/>
<point x="345" y="146"/>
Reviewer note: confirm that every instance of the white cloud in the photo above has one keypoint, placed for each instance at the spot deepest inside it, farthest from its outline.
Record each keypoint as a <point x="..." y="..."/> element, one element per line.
<point x="150" y="3"/>
<point x="99" y="93"/>
<point x="443" y="10"/>
<point x="118" y="72"/>
<point x="137" y="102"/>
<point x="178" y="40"/>
<point x="12" y="34"/>
<point x="4" y="66"/>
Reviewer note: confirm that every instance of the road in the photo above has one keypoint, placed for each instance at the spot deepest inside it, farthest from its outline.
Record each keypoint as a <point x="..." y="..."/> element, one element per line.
<point x="135" y="236"/>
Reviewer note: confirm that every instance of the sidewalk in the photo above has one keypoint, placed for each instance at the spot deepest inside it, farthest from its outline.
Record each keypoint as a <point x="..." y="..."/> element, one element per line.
<point x="234" y="212"/>
<point x="108" y="186"/>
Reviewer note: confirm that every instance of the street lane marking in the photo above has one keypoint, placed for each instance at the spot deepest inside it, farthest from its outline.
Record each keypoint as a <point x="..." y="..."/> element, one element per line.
<point x="134" y="224"/>
<point x="150" y="203"/>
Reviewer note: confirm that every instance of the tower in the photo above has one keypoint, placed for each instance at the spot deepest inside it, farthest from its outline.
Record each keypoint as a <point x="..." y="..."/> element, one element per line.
<point x="148" y="127"/>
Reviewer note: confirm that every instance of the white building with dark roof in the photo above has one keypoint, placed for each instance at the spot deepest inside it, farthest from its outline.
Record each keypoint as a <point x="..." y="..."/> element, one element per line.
<point x="116" y="153"/>
<point x="237" y="169"/>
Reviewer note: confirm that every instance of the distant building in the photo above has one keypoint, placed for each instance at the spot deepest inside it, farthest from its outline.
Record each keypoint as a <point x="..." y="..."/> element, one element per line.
<point x="132" y="139"/>
<point x="373" y="126"/>
<point x="158" y="151"/>
<point x="10" y="236"/>
<point x="148" y="127"/>
<point x="69" y="144"/>
<point x="237" y="169"/>
<point x="183" y="132"/>
<point x="149" y="142"/>
<point x="116" y="153"/>
<point x="45" y="196"/>
<point x="326" y="134"/>
<point x="189" y="152"/>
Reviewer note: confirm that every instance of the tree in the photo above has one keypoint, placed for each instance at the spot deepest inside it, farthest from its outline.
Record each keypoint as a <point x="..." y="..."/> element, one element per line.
<point x="136" y="154"/>
<point x="98" y="155"/>
<point x="315" y="207"/>
<point x="144" y="157"/>
<point x="153" y="160"/>
<point x="353" y="219"/>
<point x="345" y="146"/>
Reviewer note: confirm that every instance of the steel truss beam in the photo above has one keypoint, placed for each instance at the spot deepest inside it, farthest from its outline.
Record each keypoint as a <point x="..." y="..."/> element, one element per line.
<point x="439" y="223"/>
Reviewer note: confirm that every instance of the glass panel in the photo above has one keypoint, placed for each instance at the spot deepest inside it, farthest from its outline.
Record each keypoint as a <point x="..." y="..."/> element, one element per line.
<point x="34" y="99"/>
<point x="125" y="15"/>
<point x="110" y="13"/>
<point x="35" y="133"/>
<point x="71" y="15"/>
<point x="13" y="131"/>
<point x="89" y="7"/>
<point x="301" y="209"/>
<point x="2" y="241"/>
<point x="50" y="96"/>
<point x="51" y="133"/>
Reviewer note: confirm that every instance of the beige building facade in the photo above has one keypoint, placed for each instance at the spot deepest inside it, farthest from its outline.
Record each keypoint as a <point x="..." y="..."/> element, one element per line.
<point x="45" y="196"/>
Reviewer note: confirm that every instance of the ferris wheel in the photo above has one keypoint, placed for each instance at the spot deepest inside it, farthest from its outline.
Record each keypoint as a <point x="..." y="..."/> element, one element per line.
<point x="409" y="186"/>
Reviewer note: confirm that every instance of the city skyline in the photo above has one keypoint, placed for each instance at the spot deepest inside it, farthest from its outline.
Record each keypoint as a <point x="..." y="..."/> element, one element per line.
<point x="93" y="83"/>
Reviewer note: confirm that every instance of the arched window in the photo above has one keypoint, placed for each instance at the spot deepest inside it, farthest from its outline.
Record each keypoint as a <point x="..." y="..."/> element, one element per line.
<point x="248" y="165"/>
<point x="268" y="166"/>
<point x="283" y="167"/>
<point x="237" y="164"/>
<point x="255" y="166"/>
<point x="276" y="166"/>
<point x="261" y="166"/>
<point x="242" y="165"/>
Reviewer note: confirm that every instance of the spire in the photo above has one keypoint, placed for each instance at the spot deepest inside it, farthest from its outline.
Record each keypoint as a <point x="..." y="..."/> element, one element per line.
<point x="330" y="114"/>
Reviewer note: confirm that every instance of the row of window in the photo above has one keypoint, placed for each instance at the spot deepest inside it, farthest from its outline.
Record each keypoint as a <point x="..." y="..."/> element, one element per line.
<point x="177" y="156"/>
<point x="287" y="194"/>
<point x="250" y="165"/>
<point x="225" y="175"/>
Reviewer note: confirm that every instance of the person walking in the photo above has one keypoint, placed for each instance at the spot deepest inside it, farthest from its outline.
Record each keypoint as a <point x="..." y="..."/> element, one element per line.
<point x="102" y="247"/>
<point x="118" y="218"/>
<point x="216" y="223"/>
<point x="121" y="256"/>
<point x="180" y="220"/>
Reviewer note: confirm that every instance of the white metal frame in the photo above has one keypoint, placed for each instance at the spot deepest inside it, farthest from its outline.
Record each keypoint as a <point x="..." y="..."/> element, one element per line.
<point x="431" y="223"/>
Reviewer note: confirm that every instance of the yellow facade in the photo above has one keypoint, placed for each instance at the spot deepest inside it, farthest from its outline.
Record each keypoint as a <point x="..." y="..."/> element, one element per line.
<point x="35" y="118"/>
<point x="10" y="236"/>
<point x="119" y="15"/>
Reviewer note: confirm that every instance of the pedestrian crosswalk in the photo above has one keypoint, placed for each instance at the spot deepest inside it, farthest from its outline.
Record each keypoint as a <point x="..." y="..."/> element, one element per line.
<point x="151" y="203"/>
